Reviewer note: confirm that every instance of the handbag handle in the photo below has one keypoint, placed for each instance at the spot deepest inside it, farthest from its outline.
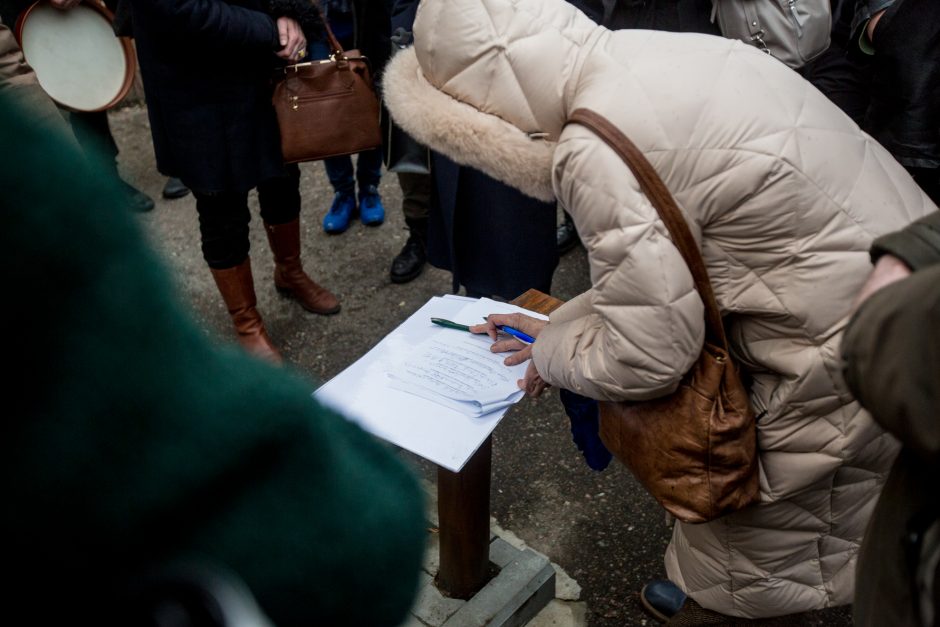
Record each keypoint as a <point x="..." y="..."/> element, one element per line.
<point x="659" y="196"/>
<point x="335" y="48"/>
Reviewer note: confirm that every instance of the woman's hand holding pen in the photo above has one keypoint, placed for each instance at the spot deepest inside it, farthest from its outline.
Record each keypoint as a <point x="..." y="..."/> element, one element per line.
<point x="532" y="383"/>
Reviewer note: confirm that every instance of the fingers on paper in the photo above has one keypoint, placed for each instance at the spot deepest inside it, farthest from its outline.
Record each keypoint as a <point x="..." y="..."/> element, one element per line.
<point x="521" y="322"/>
<point x="487" y="327"/>
<point x="518" y="357"/>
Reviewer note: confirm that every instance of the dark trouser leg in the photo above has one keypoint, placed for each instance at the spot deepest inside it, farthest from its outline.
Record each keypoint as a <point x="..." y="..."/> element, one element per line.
<point x="416" y="194"/>
<point x="223" y="224"/>
<point x="93" y="133"/>
<point x="416" y="199"/>
<point x="341" y="174"/>
<point x="280" y="197"/>
<point x="369" y="168"/>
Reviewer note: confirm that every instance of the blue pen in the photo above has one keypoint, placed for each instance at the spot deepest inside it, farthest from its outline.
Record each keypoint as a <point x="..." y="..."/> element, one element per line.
<point x="516" y="333"/>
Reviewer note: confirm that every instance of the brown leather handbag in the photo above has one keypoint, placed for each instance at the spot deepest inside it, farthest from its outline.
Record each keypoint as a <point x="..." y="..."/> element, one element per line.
<point x="327" y="107"/>
<point x="694" y="450"/>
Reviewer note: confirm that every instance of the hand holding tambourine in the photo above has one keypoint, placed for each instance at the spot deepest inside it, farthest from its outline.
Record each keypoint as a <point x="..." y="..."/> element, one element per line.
<point x="77" y="58"/>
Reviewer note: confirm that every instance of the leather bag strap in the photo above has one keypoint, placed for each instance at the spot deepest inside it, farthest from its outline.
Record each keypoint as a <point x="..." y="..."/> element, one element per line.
<point x="659" y="196"/>
<point x="335" y="47"/>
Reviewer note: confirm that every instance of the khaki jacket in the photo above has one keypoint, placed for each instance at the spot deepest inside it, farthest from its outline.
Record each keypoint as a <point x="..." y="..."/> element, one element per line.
<point x="13" y="68"/>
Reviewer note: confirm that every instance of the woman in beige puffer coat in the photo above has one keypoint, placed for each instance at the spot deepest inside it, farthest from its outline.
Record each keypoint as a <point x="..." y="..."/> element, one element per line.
<point x="782" y="191"/>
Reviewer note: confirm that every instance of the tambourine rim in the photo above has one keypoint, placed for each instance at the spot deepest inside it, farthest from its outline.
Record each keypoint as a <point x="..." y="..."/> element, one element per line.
<point x="130" y="56"/>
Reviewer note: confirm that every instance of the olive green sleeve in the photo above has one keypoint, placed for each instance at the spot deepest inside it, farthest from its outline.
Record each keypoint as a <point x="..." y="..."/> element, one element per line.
<point x="891" y="352"/>
<point x="917" y="245"/>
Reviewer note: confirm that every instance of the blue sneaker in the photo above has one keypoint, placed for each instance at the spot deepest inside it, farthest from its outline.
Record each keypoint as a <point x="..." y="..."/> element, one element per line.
<point x="341" y="212"/>
<point x="662" y="598"/>
<point x="371" y="211"/>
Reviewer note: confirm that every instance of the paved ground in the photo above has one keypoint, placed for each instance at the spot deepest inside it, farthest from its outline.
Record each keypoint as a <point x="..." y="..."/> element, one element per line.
<point x="600" y="527"/>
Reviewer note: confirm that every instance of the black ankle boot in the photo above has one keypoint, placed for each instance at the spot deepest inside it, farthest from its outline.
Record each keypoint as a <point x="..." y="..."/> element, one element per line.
<point x="174" y="188"/>
<point x="407" y="265"/>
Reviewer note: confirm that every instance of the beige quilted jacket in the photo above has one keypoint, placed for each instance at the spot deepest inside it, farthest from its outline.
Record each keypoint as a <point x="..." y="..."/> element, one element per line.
<point x="784" y="194"/>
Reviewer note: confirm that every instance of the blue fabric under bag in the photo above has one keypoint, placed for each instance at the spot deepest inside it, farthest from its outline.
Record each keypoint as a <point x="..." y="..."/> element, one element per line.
<point x="585" y="423"/>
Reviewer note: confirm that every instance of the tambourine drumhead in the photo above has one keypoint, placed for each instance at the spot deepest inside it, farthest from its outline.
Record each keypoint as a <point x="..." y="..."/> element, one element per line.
<point x="78" y="59"/>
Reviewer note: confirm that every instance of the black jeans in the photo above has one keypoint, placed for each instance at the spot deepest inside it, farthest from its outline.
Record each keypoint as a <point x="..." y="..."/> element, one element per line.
<point x="224" y="217"/>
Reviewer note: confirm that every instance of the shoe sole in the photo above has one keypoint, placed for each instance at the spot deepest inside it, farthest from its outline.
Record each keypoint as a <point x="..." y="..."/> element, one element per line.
<point x="652" y="611"/>
<point x="352" y="218"/>
<point x="406" y="278"/>
<point x="322" y="312"/>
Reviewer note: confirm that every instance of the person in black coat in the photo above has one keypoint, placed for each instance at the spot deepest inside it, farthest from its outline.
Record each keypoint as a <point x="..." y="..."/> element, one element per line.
<point x="495" y="240"/>
<point x="902" y="39"/>
<point x="207" y="68"/>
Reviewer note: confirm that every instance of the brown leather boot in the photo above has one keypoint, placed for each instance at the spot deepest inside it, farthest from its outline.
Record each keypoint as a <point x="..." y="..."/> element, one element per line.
<point x="238" y="292"/>
<point x="289" y="275"/>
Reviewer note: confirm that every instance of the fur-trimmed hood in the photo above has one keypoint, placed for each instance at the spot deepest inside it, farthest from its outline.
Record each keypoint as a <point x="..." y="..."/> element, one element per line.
<point x="501" y="113"/>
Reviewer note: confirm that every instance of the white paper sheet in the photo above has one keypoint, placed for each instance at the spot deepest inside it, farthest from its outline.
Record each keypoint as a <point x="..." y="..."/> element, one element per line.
<point x="363" y="392"/>
<point x="457" y="369"/>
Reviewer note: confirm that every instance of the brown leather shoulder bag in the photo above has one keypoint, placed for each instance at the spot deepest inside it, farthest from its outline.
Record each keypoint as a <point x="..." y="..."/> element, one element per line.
<point x="327" y="107"/>
<point x="694" y="450"/>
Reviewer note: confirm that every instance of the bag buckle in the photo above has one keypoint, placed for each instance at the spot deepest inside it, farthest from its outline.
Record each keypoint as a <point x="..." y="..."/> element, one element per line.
<point x="758" y="39"/>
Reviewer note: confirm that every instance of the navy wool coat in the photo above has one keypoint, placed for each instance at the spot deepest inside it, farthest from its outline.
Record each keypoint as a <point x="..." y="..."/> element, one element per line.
<point x="207" y="68"/>
<point x="495" y="240"/>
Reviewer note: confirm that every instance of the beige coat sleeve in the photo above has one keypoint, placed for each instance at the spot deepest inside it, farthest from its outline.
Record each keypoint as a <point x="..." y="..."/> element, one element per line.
<point x="639" y="329"/>
<point x="13" y="68"/>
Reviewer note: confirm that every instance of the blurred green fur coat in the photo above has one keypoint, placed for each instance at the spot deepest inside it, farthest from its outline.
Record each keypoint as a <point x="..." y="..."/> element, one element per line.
<point x="130" y="440"/>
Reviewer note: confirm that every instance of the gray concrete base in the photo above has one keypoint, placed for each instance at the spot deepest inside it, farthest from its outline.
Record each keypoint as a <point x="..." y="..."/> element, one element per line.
<point x="524" y="585"/>
<point x="528" y="589"/>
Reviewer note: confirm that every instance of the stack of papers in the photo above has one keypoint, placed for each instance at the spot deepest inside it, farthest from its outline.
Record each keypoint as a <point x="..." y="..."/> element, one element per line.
<point x="435" y="391"/>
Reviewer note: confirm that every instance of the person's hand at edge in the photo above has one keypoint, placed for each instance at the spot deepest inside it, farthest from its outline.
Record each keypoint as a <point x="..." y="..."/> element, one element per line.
<point x="532" y="383"/>
<point x="888" y="269"/>
<point x="63" y="5"/>
<point x="872" y="24"/>
<point x="291" y="37"/>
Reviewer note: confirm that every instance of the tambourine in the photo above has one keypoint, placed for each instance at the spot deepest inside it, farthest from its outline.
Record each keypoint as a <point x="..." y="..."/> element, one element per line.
<point x="78" y="59"/>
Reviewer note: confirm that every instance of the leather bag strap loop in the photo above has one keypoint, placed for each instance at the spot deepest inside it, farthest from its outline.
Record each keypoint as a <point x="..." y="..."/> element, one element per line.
<point x="659" y="196"/>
